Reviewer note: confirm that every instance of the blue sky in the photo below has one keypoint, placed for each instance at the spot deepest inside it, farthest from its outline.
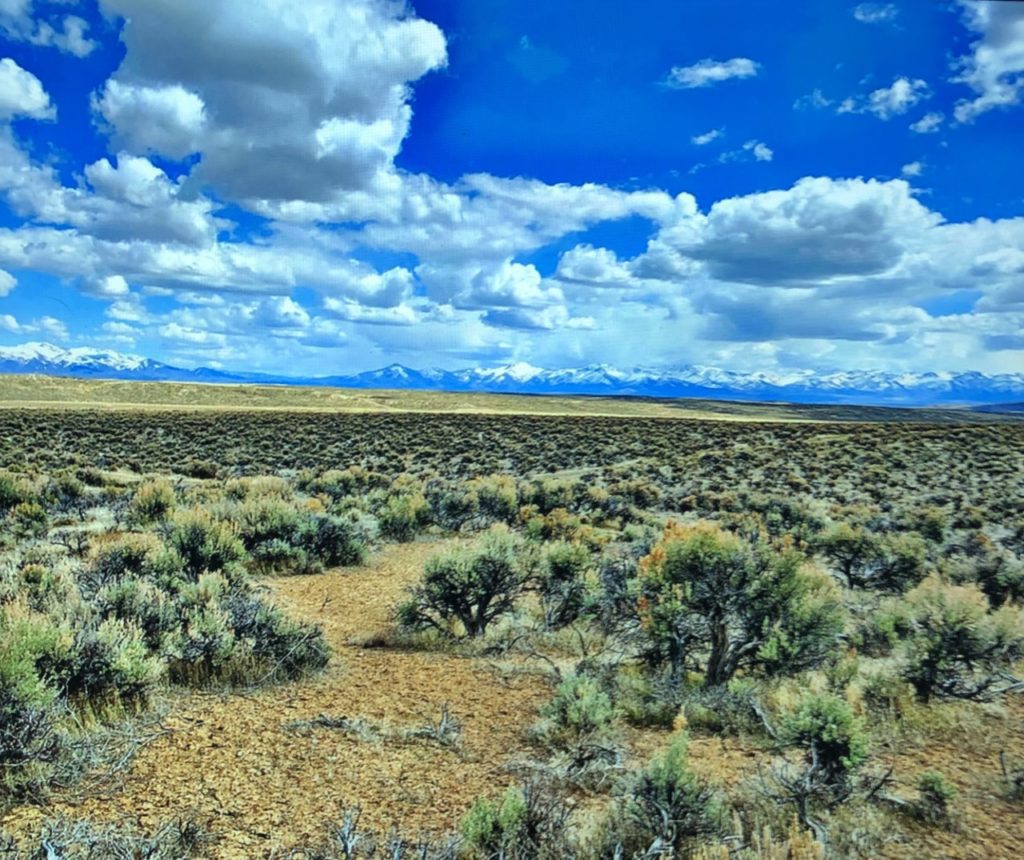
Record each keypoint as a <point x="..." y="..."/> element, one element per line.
<point x="332" y="187"/>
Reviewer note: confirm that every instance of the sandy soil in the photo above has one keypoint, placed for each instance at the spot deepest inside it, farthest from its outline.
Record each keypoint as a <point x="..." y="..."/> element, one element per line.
<point x="230" y="763"/>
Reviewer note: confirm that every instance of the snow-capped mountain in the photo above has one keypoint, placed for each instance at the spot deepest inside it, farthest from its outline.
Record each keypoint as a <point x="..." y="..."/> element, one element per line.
<point x="45" y="357"/>
<point x="800" y="386"/>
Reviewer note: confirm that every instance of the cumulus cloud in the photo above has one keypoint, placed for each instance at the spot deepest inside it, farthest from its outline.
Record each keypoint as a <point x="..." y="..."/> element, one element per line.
<point x="108" y="287"/>
<point x="995" y="67"/>
<point x="43" y="24"/>
<point x="7" y="283"/>
<point x="914" y="168"/>
<point x="819" y="229"/>
<point x="543" y="319"/>
<point x="327" y="115"/>
<point x="130" y="200"/>
<point x="887" y="102"/>
<point x="22" y="93"/>
<point x="759" y="150"/>
<point x="599" y="267"/>
<point x="47" y="326"/>
<point x="704" y="73"/>
<point x="167" y="120"/>
<point x="752" y="149"/>
<point x="928" y="124"/>
<point x="347" y="309"/>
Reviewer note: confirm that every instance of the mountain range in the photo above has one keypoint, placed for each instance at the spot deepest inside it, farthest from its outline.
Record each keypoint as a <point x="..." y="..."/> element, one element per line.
<point x="872" y="387"/>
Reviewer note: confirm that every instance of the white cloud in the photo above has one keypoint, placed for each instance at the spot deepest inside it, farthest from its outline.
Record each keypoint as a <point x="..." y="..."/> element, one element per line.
<point x="814" y="100"/>
<point x="887" y="102"/>
<point x="167" y="120"/>
<point x="707" y="72"/>
<point x="586" y="264"/>
<point x="49" y="327"/>
<point x="707" y="137"/>
<point x="108" y="287"/>
<point x="819" y="230"/>
<point x="133" y="200"/>
<point x="20" y="20"/>
<point x="914" y="168"/>
<point x="875" y="13"/>
<point x="22" y="93"/>
<point x="752" y="149"/>
<point x="347" y="309"/>
<point x="995" y="68"/>
<point x="928" y="124"/>
<point x="544" y="319"/>
<point x="328" y="115"/>
<point x="759" y="150"/>
<point x="7" y="283"/>
<point x="281" y="312"/>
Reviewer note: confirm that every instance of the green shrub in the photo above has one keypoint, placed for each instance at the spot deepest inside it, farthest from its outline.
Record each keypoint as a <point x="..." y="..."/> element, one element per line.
<point x="133" y="555"/>
<point x="957" y="648"/>
<point x="14" y="491"/>
<point x="664" y="809"/>
<point x="282" y="538"/>
<point x="332" y="541"/>
<point x="204" y="544"/>
<point x="891" y="562"/>
<point x="563" y="586"/>
<point x="403" y="516"/>
<point x="703" y="594"/>
<point x="834" y="739"/>
<point x="834" y="746"/>
<point x="281" y="649"/>
<point x="27" y="520"/>
<point x="143" y="604"/>
<point x="578" y="725"/>
<point x="152" y="502"/>
<point x="935" y="797"/>
<point x="497" y="498"/>
<point x="528" y="823"/>
<point x="30" y="742"/>
<point x="471" y="587"/>
<point x="886" y="694"/>
<point x="882" y="630"/>
<point x="728" y="709"/>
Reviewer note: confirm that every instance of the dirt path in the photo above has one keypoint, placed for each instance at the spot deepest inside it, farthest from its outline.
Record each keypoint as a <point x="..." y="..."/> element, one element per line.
<point x="230" y="763"/>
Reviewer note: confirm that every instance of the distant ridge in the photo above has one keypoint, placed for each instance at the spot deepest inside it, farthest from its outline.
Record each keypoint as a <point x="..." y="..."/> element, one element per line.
<point x="991" y="392"/>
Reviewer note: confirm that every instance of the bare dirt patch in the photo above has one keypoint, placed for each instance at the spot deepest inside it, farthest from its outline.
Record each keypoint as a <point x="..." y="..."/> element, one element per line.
<point x="231" y="763"/>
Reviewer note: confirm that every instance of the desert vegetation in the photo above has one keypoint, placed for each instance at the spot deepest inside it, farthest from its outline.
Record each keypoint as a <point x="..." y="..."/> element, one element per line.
<point x="654" y="637"/>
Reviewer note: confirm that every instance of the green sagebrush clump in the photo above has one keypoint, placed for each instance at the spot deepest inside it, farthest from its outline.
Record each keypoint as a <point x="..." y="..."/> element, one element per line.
<point x="464" y="591"/>
<point x="196" y="609"/>
<point x="47" y="667"/>
<point x="578" y="727"/>
<point x="709" y="600"/>
<point x="662" y="810"/>
<point x="152" y="502"/>
<point x="529" y="822"/>
<point x="935" y="798"/>
<point x="832" y="745"/>
<point x="563" y="584"/>
<point x="403" y="516"/>
<point x="91" y="640"/>
<point x="889" y="562"/>
<point x="280" y="537"/>
<point x="956" y="647"/>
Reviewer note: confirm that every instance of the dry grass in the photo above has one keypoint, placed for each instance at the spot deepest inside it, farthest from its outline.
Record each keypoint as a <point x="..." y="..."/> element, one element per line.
<point x="32" y="391"/>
